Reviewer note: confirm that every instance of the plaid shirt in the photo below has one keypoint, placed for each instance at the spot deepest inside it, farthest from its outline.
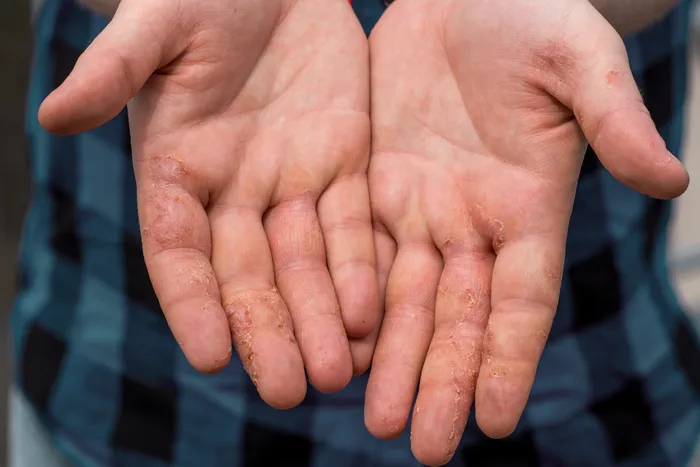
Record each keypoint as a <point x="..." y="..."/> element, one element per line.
<point x="618" y="385"/>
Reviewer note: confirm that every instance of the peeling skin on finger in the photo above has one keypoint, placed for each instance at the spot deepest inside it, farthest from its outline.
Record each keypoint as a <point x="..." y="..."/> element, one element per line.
<point x="274" y="301"/>
<point x="170" y="217"/>
<point x="447" y="244"/>
<point x="469" y="298"/>
<point x="197" y="274"/>
<point x="553" y="270"/>
<point x="463" y="376"/>
<point x="495" y="228"/>
<point x="488" y="338"/>
<point x="221" y="362"/>
<point x="393" y="429"/>
<point x="665" y="161"/>
<point x="239" y="312"/>
<point x="241" y="323"/>
<point x="499" y="371"/>
<point x="455" y="419"/>
<point x="166" y="168"/>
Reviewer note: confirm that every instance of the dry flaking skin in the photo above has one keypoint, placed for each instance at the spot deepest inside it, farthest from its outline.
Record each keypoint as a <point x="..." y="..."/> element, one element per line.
<point x="241" y="324"/>
<point x="241" y="321"/>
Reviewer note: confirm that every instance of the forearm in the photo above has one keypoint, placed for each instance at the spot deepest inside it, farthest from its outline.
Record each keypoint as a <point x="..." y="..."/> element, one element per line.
<point x="106" y="8"/>
<point x="626" y="16"/>
<point x="629" y="16"/>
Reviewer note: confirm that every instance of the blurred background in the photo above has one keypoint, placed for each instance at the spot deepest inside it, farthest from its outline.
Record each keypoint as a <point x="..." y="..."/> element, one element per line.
<point x="15" y="55"/>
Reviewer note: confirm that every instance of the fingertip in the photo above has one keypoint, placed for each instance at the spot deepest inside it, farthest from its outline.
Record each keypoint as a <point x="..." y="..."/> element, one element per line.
<point x="431" y="455"/>
<point x="667" y="184"/>
<point x="275" y="366"/>
<point x="360" y="325"/>
<point x="359" y="306"/>
<point x="631" y="148"/>
<point x="284" y="393"/>
<point x="46" y="115"/>
<point x="52" y="117"/>
<point x="361" y="351"/>
<point x="384" y="418"/>
<point x="204" y="338"/>
<point x="331" y="384"/>
<point x="357" y="290"/>
<point x="673" y="180"/>
<point x="330" y="373"/>
<point x="494" y="428"/>
<point x="385" y="423"/>
<point x="439" y="419"/>
<point x="69" y="110"/>
<point x="496" y="413"/>
<point x="326" y="354"/>
<point x="209" y="362"/>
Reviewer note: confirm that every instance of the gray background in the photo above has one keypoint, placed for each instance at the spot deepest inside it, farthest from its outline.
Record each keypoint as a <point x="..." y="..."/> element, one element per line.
<point x="15" y="52"/>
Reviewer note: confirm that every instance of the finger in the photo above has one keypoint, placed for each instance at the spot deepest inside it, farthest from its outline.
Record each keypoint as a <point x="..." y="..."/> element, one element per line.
<point x="177" y="247"/>
<point x="407" y="328"/>
<point x="299" y="258"/>
<point x="260" y="324"/>
<point x="525" y="291"/>
<point x="621" y="131"/>
<point x="112" y="69"/>
<point x="451" y="367"/>
<point x="611" y="112"/>
<point x="343" y="212"/>
<point x="362" y="349"/>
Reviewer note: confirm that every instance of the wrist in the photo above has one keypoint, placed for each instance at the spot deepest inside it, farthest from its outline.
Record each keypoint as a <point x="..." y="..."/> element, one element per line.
<point x="105" y="8"/>
<point x="630" y="16"/>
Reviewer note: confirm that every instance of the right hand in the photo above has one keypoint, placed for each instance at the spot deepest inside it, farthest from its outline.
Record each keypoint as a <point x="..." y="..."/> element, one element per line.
<point x="480" y="113"/>
<point x="250" y="136"/>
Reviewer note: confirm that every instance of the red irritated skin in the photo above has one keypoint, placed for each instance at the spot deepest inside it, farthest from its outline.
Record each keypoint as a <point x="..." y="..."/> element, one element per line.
<point x="480" y="115"/>
<point x="250" y="151"/>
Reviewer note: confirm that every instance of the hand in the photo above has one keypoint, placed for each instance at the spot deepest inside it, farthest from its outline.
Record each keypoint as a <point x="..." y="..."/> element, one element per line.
<point x="480" y="115"/>
<point x="250" y="136"/>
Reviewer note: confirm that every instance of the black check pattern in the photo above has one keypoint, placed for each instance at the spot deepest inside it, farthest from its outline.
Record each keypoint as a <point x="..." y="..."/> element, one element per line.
<point x="633" y="386"/>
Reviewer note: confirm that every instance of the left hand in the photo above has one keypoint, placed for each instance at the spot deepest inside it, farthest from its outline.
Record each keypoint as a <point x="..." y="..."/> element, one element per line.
<point x="480" y="115"/>
<point x="250" y="138"/>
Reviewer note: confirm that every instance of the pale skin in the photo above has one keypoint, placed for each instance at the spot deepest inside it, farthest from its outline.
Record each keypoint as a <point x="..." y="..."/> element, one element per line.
<point x="480" y="115"/>
<point x="250" y="151"/>
<point x="479" y="123"/>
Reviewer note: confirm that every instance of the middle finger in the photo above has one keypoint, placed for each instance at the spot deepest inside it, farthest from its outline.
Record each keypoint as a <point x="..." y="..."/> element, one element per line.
<point x="301" y="272"/>
<point x="450" y="371"/>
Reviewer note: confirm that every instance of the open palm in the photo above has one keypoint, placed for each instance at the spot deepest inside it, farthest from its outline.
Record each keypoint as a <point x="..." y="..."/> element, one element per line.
<point x="480" y="115"/>
<point x="250" y="136"/>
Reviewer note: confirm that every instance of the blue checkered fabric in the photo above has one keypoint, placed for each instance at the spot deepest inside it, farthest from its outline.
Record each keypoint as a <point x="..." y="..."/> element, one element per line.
<point x="618" y="385"/>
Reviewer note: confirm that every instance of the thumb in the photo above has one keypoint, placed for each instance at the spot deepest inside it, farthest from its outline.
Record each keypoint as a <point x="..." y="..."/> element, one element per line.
<point x="111" y="70"/>
<point x="618" y="126"/>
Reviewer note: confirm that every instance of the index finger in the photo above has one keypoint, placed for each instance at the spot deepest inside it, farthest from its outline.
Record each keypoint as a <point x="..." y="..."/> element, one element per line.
<point x="525" y="291"/>
<point x="177" y="247"/>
